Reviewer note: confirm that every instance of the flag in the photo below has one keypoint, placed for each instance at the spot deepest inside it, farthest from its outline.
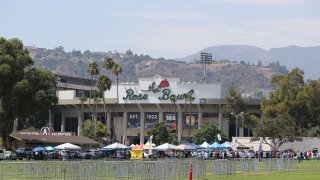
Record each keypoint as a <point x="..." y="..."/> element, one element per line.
<point x="219" y="137"/>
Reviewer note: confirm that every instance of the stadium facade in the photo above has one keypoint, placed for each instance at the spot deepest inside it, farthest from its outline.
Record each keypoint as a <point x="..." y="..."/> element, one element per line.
<point x="140" y="104"/>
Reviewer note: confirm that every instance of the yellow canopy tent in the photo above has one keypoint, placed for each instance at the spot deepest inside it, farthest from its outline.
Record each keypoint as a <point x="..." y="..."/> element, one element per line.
<point x="137" y="152"/>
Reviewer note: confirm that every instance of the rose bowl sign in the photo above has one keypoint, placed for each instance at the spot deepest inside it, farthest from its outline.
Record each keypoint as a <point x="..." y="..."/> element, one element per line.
<point x="162" y="90"/>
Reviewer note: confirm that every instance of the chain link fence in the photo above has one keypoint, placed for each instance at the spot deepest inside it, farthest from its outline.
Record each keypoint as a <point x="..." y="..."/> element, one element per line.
<point x="165" y="169"/>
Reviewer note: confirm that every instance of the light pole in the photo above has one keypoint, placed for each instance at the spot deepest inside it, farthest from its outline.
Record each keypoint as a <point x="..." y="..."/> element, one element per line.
<point x="237" y="123"/>
<point x="205" y="58"/>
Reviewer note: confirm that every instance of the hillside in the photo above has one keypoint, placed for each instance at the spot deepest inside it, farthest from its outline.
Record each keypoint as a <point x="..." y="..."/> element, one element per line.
<point x="247" y="78"/>
<point x="306" y="58"/>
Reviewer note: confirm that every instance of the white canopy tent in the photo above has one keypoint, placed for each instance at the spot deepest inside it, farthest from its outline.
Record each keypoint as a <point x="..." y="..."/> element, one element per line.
<point x="116" y="146"/>
<point x="68" y="146"/>
<point x="183" y="147"/>
<point x="165" y="147"/>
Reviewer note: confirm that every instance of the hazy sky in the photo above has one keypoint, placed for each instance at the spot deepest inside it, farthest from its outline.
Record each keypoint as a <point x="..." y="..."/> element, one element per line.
<point x="162" y="28"/>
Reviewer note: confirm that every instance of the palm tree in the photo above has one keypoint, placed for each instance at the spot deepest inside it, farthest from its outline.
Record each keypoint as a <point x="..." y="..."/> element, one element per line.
<point x="82" y="100"/>
<point x="104" y="84"/>
<point x="96" y="100"/>
<point x="108" y="63"/>
<point x="116" y="70"/>
<point x="93" y="70"/>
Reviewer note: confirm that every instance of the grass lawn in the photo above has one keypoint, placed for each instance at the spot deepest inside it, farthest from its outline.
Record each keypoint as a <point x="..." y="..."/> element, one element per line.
<point x="274" y="175"/>
<point x="306" y="170"/>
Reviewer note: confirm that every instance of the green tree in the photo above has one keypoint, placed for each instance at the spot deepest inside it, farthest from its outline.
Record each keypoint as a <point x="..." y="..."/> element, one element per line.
<point x="285" y="102"/>
<point x="310" y="97"/>
<point x="96" y="101"/>
<point x="160" y="133"/>
<point x="13" y="60"/>
<point x="93" y="70"/>
<point x="208" y="131"/>
<point x="104" y="84"/>
<point x="108" y="64"/>
<point x="87" y="130"/>
<point x="32" y="95"/>
<point x="278" y="130"/>
<point x="235" y="105"/>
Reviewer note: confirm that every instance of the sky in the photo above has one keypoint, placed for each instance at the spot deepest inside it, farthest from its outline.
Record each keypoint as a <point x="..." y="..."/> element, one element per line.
<point x="162" y="28"/>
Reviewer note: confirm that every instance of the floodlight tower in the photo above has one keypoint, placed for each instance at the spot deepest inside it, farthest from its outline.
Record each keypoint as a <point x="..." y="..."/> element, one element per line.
<point x="205" y="58"/>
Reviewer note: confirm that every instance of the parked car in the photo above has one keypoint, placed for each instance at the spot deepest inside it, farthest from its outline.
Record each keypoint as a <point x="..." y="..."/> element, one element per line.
<point x="2" y="155"/>
<point x="9" y="155"/>
<point x="24" y="153"/>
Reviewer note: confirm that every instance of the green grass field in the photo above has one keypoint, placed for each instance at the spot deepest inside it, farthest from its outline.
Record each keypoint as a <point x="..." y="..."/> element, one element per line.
<point x="306" y="170"/>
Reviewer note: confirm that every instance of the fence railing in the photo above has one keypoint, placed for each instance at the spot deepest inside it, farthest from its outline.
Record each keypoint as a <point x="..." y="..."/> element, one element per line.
<point x="134" y="170"/>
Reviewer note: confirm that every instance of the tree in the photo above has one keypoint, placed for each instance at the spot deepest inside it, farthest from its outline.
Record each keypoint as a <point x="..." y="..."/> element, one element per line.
<point x="87" y="130"/>
<point x="117" y="70"/>
<point x="96" y="102"/>
<point x="160" y="133"/>
<point x="310" y="97"/>
<point x="13" y="61"/>
<point x="208" y="131"/>
<point x="104" y="84"/>
<point x="278" y="130"/>
<point x="285" y="100"/>
<point x="93" y="70"/>
<point x="108" y="64"/>
<point x="82" y="100"/>
<point x="235" y="106"/>
<point x="34" y="94"/>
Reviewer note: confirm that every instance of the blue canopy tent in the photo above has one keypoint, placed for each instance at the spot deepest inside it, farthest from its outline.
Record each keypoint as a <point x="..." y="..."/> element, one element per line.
<point x="38" y="149"/>
<point x="193" y="145"/>
<point x="216" y="145"/>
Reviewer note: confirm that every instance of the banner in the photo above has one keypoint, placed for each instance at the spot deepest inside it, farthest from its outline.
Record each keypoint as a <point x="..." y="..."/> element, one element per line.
<point x="190" y="121"/>
<point x="133" y="120"/>
<point x="171" y="120"/>
<point x="150" y="119"/>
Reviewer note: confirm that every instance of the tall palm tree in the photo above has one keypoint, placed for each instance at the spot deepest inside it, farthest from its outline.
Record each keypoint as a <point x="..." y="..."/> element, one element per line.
<point x="93" y="70"/>
<point x="82" y="100"/>
<point x="104" y="84"/>
<point x="108" y="63"/>
<point x="96" y="100"/>
<point x="116" y="70"/>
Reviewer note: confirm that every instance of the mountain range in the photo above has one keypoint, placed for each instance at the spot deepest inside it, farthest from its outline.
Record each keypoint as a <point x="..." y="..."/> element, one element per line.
<point x="246" y="77"/>
<point x="306" y="58"/>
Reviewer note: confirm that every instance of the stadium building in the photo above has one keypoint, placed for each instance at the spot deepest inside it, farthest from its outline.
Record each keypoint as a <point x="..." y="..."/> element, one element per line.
<point x="141" y="104"/>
